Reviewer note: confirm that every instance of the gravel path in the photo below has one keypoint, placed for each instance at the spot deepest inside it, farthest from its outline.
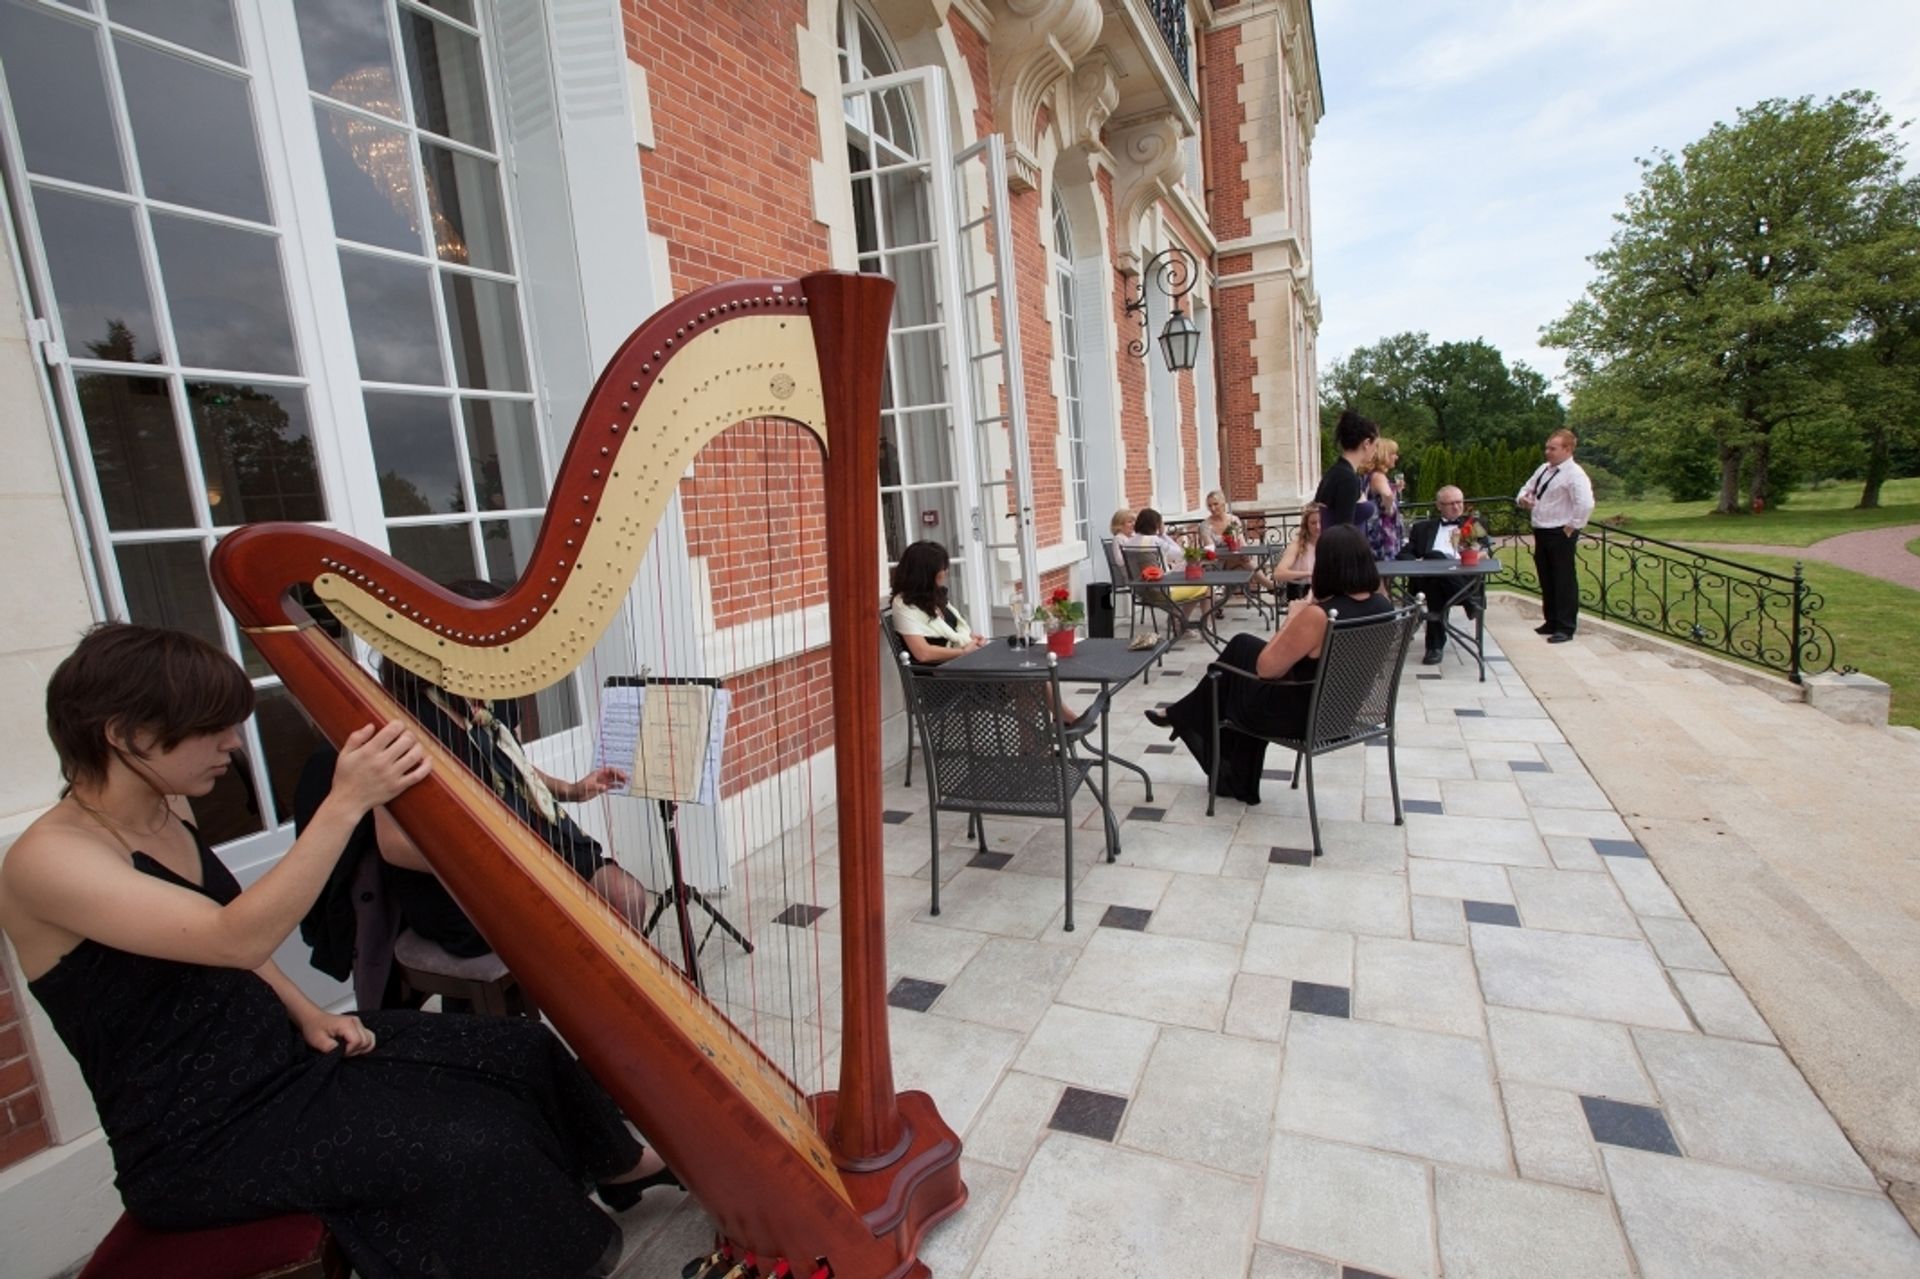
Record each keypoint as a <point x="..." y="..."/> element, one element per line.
<point x="1877" y="552"/>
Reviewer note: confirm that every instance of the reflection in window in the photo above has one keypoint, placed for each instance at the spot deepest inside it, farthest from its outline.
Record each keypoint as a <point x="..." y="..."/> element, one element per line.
<point x="504" y="452"/>
<point x="414" y="454"/>
<point x="369" y="179"/>
<point x="59" y="98"/>
<point x="448" y="83"/>
<point x="136" y="451"/>
<point x="166" y="584"/>
<point x="105" y="310"/>
<point x="391" y="305"/>
<point x="349" y="53"/>
<point x="192" y="132"/>
<point x="483" y="324"/>
<point x="224" y="289"/>
<point x="439" y="551"/>
<point x="463" y="194"/>
<point x="287" y="739"/>
<point x="206" y="25"/>
<point x="256" y="452"/>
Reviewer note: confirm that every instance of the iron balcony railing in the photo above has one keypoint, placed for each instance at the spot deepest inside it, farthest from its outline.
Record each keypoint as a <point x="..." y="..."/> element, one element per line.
<point x="1752" y="614"/>
<point x="1171" y="17"/>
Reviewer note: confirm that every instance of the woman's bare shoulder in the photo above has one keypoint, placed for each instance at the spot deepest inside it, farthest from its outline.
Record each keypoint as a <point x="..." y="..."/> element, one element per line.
<point x="60" y="832"/>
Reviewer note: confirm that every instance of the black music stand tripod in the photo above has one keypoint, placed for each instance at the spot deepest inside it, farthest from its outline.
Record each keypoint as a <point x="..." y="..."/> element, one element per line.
<point x="680" y="896"/>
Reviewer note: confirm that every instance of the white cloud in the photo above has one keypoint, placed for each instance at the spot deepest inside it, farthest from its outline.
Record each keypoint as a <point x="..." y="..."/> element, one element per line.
<point x="1473" y="153"/>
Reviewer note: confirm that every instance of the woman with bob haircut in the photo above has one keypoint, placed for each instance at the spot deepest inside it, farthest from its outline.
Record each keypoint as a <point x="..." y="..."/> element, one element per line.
<point x="1346" y="581"/>
<point x="930" y="627"/>
<point x="429" y="1143"/>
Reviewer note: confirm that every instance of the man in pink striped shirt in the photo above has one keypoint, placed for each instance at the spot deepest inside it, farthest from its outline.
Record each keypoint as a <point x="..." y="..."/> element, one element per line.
<point x="1560" y="499"/>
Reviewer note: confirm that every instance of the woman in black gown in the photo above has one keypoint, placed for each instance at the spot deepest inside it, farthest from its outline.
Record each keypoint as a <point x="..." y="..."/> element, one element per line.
<point x="430" y="1144"/>
<point x="1346" y="581"/>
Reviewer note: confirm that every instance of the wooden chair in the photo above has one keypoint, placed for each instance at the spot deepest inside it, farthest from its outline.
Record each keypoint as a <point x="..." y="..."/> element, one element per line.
<point x="1351" y="702"/>
<point x="295" y="1246"/>
<point x="995" y="743"/>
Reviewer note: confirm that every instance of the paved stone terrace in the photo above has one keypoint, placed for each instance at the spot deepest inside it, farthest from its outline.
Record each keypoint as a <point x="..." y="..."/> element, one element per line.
<point x="1489" y="1042"/>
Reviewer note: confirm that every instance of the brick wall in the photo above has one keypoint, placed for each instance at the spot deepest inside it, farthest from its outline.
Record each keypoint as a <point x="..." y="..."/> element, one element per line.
<point x="729" y="186"/>
<point x="1033" y="267"/>
<point x="1241" y="471"/>
<point x="1136" y="471"/>
<point x="1222" y="118"/>
<point x="23" y="1126"/>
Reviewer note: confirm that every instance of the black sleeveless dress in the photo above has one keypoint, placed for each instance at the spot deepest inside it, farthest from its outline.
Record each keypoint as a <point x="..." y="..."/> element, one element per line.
<point x="1280" y="707"/>
<point x="458" y="1146"/>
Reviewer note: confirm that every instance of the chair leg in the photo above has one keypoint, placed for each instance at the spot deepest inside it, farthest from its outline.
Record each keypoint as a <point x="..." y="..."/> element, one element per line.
<point x="908" y="782"/>
<point x="1313" y="809"/>
<point x="980" y="831"/>
<point x="933" y="824"/>
<point x="1393" y="777"/>
<point x="1297" y="757"/>
<point x="1213" y="765"/>
<point x="1067" y="822"/>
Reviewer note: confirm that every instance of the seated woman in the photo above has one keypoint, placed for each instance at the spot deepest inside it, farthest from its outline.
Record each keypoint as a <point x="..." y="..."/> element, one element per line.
<point x="1346" y="580"/>
<point x="482" y="736"/>
<point x="217" y="1081"/>
<point x="930" y="627"/>
<point x="1295" y="569"/>
<point x="1148" y="531"/>
<point x="1221" y="524"/>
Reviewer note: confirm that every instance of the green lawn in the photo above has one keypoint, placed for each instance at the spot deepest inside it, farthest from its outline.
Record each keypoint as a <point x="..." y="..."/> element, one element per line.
<point x="1913" y="547"/>
<point x="1871" y="621"/>
<point x="1811" y="516"/>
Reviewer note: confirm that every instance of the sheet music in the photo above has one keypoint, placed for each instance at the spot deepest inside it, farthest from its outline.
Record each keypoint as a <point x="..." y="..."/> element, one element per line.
<point x="670" y="743"/>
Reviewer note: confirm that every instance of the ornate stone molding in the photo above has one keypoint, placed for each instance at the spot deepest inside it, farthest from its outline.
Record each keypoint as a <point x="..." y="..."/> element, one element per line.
<point x="1096" y="92"/>
<point x="1149" y="163"/>
<point x="1035" y="48"/>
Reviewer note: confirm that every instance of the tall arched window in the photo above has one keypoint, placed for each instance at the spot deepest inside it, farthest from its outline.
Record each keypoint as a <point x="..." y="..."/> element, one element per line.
<point x="1068" y="333"/>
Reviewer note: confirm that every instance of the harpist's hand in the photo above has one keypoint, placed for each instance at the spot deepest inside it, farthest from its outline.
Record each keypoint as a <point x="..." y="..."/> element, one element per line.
<point x="326" y="1032"/>
<point x="598" y="782"/>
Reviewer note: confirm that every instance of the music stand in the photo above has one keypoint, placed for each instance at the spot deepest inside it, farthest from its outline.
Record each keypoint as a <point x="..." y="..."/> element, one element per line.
<point x="681" y="894"/>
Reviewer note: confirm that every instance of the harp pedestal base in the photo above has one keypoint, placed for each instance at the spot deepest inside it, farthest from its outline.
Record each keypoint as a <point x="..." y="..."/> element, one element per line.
<point x="901" y="1202"/>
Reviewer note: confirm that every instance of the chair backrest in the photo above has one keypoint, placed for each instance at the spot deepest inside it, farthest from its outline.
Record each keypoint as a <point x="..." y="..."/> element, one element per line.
<point x="1136" y="558"/>
<point x="993" y="738"/>
<point x="1359" y="676"/>
<point x="1116" y="567"/>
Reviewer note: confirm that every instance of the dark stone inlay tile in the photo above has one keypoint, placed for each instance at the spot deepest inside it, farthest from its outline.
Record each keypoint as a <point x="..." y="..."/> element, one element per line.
<point x="1422" y="806"/>
<point x="1277" y="774"/>
<point x="1618" y="847"/>
<point x="1170" y="671"/>
<point x="893" y="816"/>
<point x="1279" y="856"/>
<point x="1529" y="766"/>
<point x="1131" y="918"/>
<point x="913" y="994"/>
<point x="1621" y="1123"/>
<point x="1426" y="675"/>
<point x="1088" y="1114"/>
<point x="989" y="860"/>
<point x="1491" y="913"/>
<point x="799" y="915"/>
<point x="1141" y="813"/>
<point x="1161" y="748"/>
<point x="1469" y="712"/>
<point x="1160" y="706"/>
<point x="1312" y="997"/>
<point x="1349" y="1272"/>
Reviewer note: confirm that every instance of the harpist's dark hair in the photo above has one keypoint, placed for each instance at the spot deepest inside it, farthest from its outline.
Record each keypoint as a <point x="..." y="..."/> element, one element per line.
<point x="139" y="678"/>
<point x="1343" y="564"/>
<point x="914" y="577"/>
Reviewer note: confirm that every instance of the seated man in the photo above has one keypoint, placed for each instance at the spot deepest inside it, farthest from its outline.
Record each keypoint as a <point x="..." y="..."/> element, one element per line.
<point x="1438" y="538"/>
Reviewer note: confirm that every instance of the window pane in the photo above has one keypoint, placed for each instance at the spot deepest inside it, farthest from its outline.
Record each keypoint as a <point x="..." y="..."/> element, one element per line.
<point x="223" y="285"/>
<point x="349" y="54"/>
<point x="206" y="25"/>
<point x="193" y="133"/>
<point x="256" y="452"/>
<point x="369" y="180"/>
<point x="918" y="367"/>
<point x="439" y="551"/>
<point x="904" y="207"/>
<point x="413" y="449"/>
<point x="105" y="310"/>
<point x="449" y="86"/>
<point x="463" y="195"/>
<point x="391" y="305"/>
<point x="136" y="452"/>
<point x="549" y="711"/>
<point x="508" y="545"/>
<point x="166" y="584"/>
<point x="59" y="97"/>
<point x="286" y="739"/>
<point x="924" y="436"/>
<point x="461" y="9"/>
<point x="483" y="322"/>
<point x="503" y="447"/>
<point x="916" y="298"/>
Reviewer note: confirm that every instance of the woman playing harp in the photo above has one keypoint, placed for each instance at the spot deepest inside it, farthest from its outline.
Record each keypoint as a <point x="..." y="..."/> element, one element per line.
<point x="854" y="1174"/>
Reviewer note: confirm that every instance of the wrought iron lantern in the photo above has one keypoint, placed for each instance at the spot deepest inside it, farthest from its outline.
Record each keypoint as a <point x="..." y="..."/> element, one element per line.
<point x="1173" y="271"/>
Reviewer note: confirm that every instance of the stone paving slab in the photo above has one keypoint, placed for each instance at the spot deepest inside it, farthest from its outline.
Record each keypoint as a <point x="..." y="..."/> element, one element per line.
<point x="1417" y="1055"/>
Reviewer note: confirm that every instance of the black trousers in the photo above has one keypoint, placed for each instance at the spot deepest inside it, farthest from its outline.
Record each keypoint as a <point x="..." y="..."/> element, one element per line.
<point x="1554" y="560"/>
<point x="1472" y="598"/>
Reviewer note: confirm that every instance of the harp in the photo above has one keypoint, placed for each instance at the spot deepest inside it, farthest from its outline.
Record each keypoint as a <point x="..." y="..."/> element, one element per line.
<point x="854" y="1175"/>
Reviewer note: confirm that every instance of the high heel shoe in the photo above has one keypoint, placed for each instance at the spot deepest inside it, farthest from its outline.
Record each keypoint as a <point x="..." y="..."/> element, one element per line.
<point x="1157" y="718"/>
<point x="622" y="1195"/>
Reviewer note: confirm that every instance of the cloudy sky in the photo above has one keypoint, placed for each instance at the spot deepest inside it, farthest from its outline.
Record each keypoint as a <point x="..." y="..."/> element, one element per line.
<point x="1474" y="151"/>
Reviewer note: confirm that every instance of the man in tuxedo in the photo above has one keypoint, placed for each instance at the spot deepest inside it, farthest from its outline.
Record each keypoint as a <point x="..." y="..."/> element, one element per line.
<point x="1559" y="498"/>
<point x="1438" y="538"/>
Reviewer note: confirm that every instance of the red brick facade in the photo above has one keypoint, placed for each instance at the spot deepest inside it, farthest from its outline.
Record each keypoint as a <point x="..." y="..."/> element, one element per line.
<point x="23" y="1126"/>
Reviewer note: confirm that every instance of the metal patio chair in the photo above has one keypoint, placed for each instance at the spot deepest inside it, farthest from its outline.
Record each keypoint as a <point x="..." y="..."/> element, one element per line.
<point x="1351" y="700"/>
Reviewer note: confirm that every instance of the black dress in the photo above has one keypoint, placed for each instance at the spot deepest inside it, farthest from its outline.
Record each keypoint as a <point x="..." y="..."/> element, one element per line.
<point x="1279" y="707"/>
<point x="458" y="1146"/>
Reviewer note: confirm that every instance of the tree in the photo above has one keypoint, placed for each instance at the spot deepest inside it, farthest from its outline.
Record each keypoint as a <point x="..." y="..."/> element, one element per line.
<point x="1724" y="302"/>
<point x="1379" y="382"/>
<point x="1882" y="273"/>
<point x="1456" y="393"/>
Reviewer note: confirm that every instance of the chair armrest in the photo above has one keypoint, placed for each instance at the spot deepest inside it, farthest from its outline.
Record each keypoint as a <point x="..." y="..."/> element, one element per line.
<point x="1217" y="668"/>
<point x="1089" y="719"/>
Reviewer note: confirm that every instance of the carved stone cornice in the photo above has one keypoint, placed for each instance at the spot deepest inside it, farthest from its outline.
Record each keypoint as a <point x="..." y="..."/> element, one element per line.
<point x="1035" y="49"/>
<point x="1096" y="92"/>
<point x="1148" y="162"/>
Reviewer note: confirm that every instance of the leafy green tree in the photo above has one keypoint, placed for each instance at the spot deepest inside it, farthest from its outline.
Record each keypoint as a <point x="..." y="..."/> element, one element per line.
<point x="1882" y="365"/>
<point x="1724" y="302"/>
<point x="1379" y="381"/>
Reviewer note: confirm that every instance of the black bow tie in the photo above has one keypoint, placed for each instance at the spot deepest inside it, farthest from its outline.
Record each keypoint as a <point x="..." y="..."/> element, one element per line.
<point x="1454" y="523"/>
